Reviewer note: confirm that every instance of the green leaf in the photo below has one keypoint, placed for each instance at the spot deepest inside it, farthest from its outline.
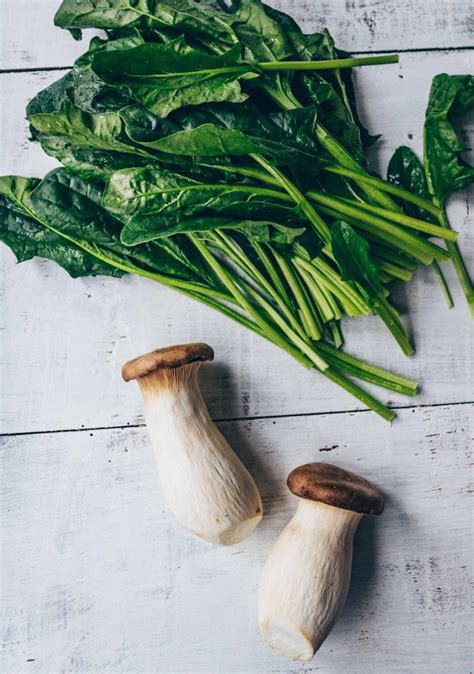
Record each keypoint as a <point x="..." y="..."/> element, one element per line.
<point x="352" y="254"/>
<point x="406" y="170"/>
<point x="100" y="130"/>
<point x="203" y="19"/>
<point x="165" y="77"/>
<point x="28" y="237"/>
<point x="154" y="202"/>
<point x="332" y="91"/>
<point x="332" y="112"/>
<point x="299" y="125"/>
<point x="81" y="86"/>
<point x="446" y="171"/>
<point x="206" y="140"/>
<point x="71" y="206"/>
<point x="88" y="162"/>
<point x="141" y="125"/>
<point x="263" y="38"/>
<point x="217" y="130"/>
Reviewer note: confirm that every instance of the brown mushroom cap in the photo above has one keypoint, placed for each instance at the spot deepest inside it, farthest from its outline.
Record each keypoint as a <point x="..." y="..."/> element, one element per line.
<point x="169" y="357"/>
<point x="336" y="487"/>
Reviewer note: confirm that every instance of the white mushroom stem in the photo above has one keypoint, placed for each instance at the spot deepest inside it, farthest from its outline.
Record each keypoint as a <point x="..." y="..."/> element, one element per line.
<point x="207" y="487"/>
<point x="306" y="578"/>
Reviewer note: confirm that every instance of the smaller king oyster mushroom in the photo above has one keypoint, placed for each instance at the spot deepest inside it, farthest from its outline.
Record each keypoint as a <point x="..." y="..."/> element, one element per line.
<point x="307" y="574"/>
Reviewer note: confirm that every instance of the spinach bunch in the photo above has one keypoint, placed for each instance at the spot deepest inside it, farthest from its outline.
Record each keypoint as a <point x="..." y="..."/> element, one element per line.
<point x="218" y="151"/>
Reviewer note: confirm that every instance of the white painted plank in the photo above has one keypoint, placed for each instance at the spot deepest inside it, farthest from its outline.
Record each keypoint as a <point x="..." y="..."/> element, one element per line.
<point x="30" y="39"/>
<point x="97" y="576"/>
<point x="63" y="341"/>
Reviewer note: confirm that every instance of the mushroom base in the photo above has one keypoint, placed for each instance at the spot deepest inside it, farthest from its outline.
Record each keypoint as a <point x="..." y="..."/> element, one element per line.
<point x="306" y="578"/>
<point x="287" y="639"/>
<point x="235" y="533"/>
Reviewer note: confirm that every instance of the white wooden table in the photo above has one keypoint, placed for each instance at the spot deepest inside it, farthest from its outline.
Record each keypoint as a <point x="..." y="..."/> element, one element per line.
<point x="96" y="576"/>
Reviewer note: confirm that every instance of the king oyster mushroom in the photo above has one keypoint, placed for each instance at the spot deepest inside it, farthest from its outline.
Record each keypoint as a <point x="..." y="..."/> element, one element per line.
<point x="307" y="574"/>
<point x="207" y="487"/>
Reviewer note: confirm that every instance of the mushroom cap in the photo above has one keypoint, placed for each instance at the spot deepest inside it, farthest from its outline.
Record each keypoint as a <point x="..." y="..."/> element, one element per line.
<point x="335" y="487"/>
<point x="169" y="357"/>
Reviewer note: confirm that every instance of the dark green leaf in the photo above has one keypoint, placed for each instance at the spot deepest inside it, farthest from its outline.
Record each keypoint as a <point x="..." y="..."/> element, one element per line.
<point x="263" y="38"/>
<point x="165" y="77"/>
<point x="72" y="207"/>
<point x="100" y="131"/>
<point x="153" y="202"/>
<point x="405" y="169"/>
<point x="206" y="140"/>
<point x="352" y="254"/>
<point x="446" y="171"/>
<point x="28" y="237"/>
<point x="203" y="19"/>
<point x="332" y="91"/>
<point x="229" y="129"/>
<point x="89" y="163"/>
<point x="332" y="112"/>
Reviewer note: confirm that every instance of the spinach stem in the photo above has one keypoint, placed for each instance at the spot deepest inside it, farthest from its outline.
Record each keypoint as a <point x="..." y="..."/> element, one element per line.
<point x="272" y="273"/>
<point x="359" y="393"/>
<point x="312" y="326"/>
<point x="330" y="64"/>
<point x="298" y="197"/>
<point x="361" y="210"/>
<point x="317" y="293"/>
<point x="389" y="316"/>
<point x="385" y="186"/>
<point x="226" y="278"/>
<point x="443" y="284"/>
<point x="239" y="257"/>
<point x="390" y="233"/>
<point x="458" y="263"/>
<point x="409" y="386"/>
<point x="345" y="159"/>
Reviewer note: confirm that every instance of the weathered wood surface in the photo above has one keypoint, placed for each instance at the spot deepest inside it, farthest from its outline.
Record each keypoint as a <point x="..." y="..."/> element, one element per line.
<point x="73" y="335"/>
<point x="97" y="576"/>
<point x="30" y="40"/>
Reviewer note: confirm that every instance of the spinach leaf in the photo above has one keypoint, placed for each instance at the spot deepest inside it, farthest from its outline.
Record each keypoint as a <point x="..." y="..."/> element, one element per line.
<point x="28" y="237"/>
<point x="223" y="130"/>
<point x="89" y="163"/>
<point x="98" y="130"/>
<point x="165" y="77"/>
<point x="313" y="89"/>
<point x="262" y="37"/>
<point x="71" y="206"/>
<point x="145" y="228"/>
<point x="446" y="171"/>
<point x="298" y="126"/>
<point x="352" y="254"/>
<point x="203" y="19"/>
<point x="81" y="86"/>
<point x="286" y="137"/>
<point x="206" y="140"/>
<point x="332" y="91"/>
<point x="406" y="170"/>
<point x="153" y="198"/>
<point x="141" y="125"/>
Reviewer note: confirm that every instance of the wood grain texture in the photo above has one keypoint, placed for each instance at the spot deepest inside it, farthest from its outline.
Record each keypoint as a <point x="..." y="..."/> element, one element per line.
<point x="357" y="25"/>
<point x="64" y="341"/>
<point x="99" y="578"/>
